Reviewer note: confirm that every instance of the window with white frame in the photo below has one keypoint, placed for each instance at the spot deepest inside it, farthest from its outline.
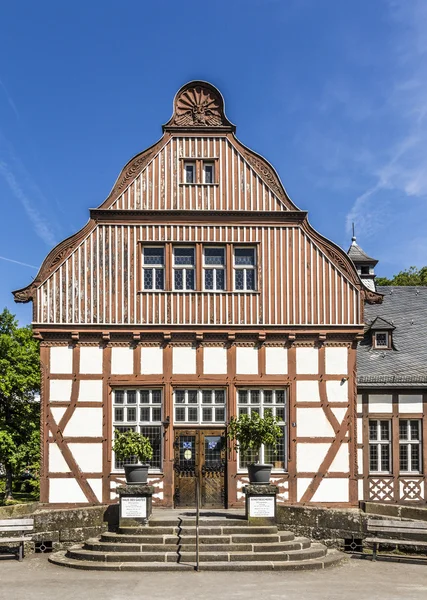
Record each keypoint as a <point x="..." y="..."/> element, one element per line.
<point x="208" y="173"/>
<point x="244" y="269"/>
<point x="184" y="267"/>
<point x="379" y="446"/>
<point x="139" y="410"/>
<point x="381" y="339"/>
<point x="190" y="172"/>
<point x="199" y="407"/>
<point x="410" y="445"/>
<point x="214" y="268"/>
<point x="264" y="402"/>
<point x="153" y="267"/>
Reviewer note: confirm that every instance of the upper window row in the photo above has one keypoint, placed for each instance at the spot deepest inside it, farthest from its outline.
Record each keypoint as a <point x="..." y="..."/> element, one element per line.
<point x="184" y="268"/>
<point x="199" y="172"/>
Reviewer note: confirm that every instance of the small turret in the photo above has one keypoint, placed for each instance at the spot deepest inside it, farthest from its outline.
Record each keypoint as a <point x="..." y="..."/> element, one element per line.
<point x="364" y="264"/>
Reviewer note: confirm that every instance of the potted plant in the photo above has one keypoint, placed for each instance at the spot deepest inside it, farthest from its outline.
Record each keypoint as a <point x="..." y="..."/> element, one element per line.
<point x="249" y="433"/>
<point x="131" y="444"/>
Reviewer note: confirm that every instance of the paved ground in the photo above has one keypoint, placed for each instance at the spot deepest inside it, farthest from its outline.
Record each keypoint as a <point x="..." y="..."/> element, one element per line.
<point x="36" y="579"/>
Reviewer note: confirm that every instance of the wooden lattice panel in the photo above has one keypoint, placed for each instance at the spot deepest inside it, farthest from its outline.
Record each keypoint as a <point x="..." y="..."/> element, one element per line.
<point x="411" y="489"/>
<point x="381" y="489"/>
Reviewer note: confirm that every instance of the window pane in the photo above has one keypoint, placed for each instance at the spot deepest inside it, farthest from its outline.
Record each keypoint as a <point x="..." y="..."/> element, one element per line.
<point x="131" y="414"/>
<point x="373" y="457"/>
<point x="255" y="396"/>
<point x="415" y="457"/>
<point x="193" y="414"/>
<point x="404" y="459"/>
<point x="280" y="397"/>
<point x="219" y="414"/>
<point x="189" y="173"/>
<point x="131" y="396"/>
<point x="160" y="283"/>
<point x="373" y="430"/>
<point x="215" y="256"/>
<point x="192" y="396"/>
<point x="268" y="397"/>
<point x="246" y="459"/>
<point x="239" y="279"/>
<point x="144" y="413"/>
<point x="144" y="396"/>
<point x="403" y="429"/>
<point x="178" y="279"/>
<point x="179" y="397"/>
<point x="385" y="430"/>
<point x="189" y="279"/>
<point x="385" y="457"/>
<point x="153" y="256"/>
<point x="184" y="256"/>
<point x="209" y="279"/>
<point x="119" y="414"/>
<point x="154" y="434"/>
<point x="415" y="430"/>
<point x="243" y="396"/>
<point x="381" y="339"/>
<point x="220" y="279"/>
<point x="208" y="170"/>
<point x="148" y="279"/>
<point x="219" y="396"/>
<point x="206" y="397"/>
<point x="119" y="396"/>
<point x="156" y="414"/>
<point x="244" y="256"/>
<point x="243" y="410"/>
<point x="179" y="414"/>
<point x="280" y="413"/>
<point x="206" y="414"/>
<point x="250" y="279"/>
<point x="156" y="396"/>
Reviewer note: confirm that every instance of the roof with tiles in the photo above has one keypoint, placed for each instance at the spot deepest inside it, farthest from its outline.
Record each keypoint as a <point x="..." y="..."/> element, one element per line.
<point x="405" y="309"/>
<point x="358" y="255"/>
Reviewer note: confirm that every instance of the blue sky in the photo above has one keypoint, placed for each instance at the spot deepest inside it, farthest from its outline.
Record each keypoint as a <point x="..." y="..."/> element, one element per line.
<point x="332" y="93"/>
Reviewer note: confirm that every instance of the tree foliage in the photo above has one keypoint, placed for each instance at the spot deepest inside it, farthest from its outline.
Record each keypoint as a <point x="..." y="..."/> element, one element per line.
<point x="131" y="443"/>
<point x="19" y="402"/>
<point x="411" y="276"/>
<point x="250" y="432"/>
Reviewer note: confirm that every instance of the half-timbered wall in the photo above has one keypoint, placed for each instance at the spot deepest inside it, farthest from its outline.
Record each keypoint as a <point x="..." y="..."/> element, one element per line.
<point x="100" y="282"/>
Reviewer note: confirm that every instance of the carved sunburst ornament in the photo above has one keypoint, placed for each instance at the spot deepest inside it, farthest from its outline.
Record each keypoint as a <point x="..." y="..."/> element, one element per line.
<point x="198" y="106"/>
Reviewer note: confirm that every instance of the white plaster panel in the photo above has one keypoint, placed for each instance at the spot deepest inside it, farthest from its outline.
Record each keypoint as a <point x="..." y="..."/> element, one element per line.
<point x="96" y="485"/>
<point x="312" y="422"/>
<point x="91" y="360"/>
<point x="90" y="390"/>
<point x="341" y="462"/>
<point x="276" y="361"/>
<point x="57" y="463"/>
<point x="151" y="360"/>
<point x="121" y="361"/>
<point x="360" y="460"/>
<point x="403" y="486"/>
<point x="360" y="430"/>
<point x="184" y="360"/>
<point x="87" y="456"/>
<point x="302" y="485"/>
<point x="410" y="403"/>
<point x="85" y="422"/>
<point x="307" y="361"/>
<point x="65" y="490"/>
<point x="339" y="413"/>
<point x="310" y="457"/>
<point x="380" y="403"/>
<point x="57" y="412"/>
<point x="215" y="360"/>
<point x="359" y="403"/>
<point x="337" y="391"/>
<point x="360" y="489"/>
<point x="308" y="391"/>
<point x="60" y="390"/>
<point x="246" y="361"/>
<point x="61" y="359"/>
<point x="336" y="361"/>
<point x="332" y="490"/>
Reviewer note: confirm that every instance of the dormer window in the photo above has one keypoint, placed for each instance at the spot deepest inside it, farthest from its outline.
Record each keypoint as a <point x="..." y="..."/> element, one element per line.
<point x="365" y="270"/>
<point x="381" y="339"/>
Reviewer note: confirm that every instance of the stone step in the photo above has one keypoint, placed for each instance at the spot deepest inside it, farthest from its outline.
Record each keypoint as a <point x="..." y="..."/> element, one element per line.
<point x="79" y="553"/>
<point x="97" y="546"/>
<point x="120" y="538"/>
<point x="333" y="558"/>
<point x="245" y="529"/>
<point x="191" y="522"/>
<point x="149" y="530"/>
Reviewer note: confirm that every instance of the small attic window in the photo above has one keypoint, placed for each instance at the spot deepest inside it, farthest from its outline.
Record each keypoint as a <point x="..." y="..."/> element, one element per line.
<point x="364" y="270"/>
<point x="381" y="339"/>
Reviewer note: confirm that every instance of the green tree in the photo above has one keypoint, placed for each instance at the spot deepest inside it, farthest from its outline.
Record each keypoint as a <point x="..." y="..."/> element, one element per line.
<point x="411" y="276"/>
<point x="19" y="403"/>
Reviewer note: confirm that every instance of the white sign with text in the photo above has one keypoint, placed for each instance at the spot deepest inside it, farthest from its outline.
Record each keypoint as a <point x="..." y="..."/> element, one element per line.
<point x="134" y="508"/>
<point x="261" y="506"/>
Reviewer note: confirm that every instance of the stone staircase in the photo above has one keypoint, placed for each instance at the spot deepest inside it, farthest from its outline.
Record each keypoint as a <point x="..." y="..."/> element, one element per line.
<point x="225" y="544"/>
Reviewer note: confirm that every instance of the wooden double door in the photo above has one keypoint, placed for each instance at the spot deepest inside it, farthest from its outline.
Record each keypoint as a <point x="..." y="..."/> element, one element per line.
<point x="200" y="454"/>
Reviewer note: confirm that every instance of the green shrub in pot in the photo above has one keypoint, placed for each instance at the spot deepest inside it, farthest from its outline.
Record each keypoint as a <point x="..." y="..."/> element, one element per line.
<point x="129" y="444"/>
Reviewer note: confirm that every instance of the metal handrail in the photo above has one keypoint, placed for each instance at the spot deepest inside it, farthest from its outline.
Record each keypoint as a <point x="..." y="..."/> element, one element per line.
<point x="197" y="520"/>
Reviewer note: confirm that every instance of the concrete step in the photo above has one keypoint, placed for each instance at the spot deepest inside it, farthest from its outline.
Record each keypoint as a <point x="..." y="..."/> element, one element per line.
<point x="333" y="558"/>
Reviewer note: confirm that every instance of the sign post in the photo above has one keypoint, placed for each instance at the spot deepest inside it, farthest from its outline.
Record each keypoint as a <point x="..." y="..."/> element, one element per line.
<point x="261" y="503"/>
<point x="135" y="504"/>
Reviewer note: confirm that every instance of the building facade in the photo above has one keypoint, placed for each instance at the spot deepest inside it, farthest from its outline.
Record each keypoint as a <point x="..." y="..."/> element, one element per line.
<point x="198" y="291"/>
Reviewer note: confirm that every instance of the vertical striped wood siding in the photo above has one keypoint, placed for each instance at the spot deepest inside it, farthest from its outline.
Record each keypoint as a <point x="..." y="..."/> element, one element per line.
<point x="98" y="283"/>
<point x="239" y="187"/>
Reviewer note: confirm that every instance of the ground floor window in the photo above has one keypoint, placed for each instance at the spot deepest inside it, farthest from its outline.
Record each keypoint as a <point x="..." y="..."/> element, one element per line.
<point x="139" y="410"/>
<point x="200" y="406"/>
<point x="263" y="402"/>
<point x="410" y="445"/>
<point x="379" y="446"/>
